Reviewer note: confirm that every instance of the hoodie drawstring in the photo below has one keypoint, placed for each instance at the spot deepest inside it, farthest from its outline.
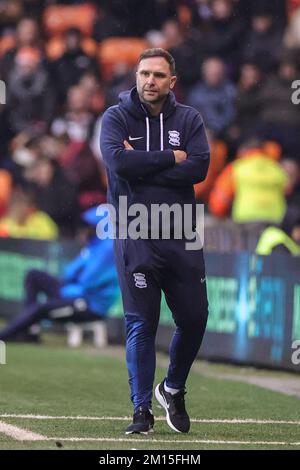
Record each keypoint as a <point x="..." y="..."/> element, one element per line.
<point x="148" y="134"/>
<point x="161" y="117"/>
<point x="161" y="131"/>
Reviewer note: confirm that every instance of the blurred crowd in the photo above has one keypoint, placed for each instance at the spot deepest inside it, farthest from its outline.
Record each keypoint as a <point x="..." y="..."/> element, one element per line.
<point x="65" y="62"/>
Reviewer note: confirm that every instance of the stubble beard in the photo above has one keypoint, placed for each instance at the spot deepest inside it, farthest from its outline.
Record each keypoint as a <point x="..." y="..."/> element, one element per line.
<point x="154" y="102"/>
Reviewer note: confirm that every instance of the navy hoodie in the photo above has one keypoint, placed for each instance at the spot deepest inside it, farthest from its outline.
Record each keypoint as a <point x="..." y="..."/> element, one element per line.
<point x="148" y="174"/>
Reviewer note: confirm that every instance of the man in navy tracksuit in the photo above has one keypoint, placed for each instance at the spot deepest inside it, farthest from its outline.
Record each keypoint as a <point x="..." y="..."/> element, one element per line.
<point x="155" y="150"/>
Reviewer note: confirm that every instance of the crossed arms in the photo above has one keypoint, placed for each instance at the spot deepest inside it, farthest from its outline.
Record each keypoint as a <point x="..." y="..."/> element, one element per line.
<point x="164" y="168"/>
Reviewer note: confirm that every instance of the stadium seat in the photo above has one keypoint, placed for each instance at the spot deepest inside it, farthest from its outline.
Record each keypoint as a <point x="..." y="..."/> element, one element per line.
<point x="6" y="43"/>
<point x="76" y="332"/>
<point x="124" y="50"/>
<point x="59" y="18"/>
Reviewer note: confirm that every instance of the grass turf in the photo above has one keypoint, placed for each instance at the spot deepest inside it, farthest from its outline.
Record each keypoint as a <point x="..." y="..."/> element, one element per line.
<point x="57" y="381"/>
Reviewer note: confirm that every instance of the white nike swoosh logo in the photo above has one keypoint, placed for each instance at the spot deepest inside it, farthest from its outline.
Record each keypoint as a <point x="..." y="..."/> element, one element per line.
<point x="135" y="138"/>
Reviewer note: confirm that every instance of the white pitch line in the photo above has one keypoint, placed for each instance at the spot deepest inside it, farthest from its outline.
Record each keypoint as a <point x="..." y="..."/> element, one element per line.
<point x="171" y="441"/>
<point x="20" y="434"/>
<point x="126" y="418"/>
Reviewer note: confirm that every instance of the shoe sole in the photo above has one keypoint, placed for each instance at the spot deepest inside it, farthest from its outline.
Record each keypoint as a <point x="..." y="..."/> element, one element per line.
<point x="161" y="400"/>
<point x="140" y="432"/>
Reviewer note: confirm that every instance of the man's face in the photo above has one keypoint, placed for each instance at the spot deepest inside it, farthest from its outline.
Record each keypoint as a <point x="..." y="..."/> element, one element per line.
<point x="154" y="80"/>
<point x="213" y="72"/>
<point x="72" y="41"/>
<point x="27" y="32"/>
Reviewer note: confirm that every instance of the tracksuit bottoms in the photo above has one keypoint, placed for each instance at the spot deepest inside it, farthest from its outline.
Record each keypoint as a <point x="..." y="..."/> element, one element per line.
<point x="145" y="268"/>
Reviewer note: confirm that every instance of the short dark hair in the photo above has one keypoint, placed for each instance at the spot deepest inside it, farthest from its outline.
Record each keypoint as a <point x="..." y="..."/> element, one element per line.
<point x="159" y="52"/>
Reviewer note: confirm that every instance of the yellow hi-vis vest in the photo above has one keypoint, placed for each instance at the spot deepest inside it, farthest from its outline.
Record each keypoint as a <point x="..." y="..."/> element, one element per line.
<point x="272" y="237"/>
<point x="259" y="190"/>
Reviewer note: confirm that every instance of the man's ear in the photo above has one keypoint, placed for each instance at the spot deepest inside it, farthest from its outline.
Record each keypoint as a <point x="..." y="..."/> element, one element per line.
<point x="173" y="81"/>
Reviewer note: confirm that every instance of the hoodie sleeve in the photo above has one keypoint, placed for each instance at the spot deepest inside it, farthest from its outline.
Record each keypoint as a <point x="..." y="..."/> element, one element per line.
<point x="194" y="169"/>
<point x="128" y="164"/>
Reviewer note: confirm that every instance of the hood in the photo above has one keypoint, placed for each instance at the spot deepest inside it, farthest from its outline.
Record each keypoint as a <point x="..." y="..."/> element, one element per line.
<point x="91" y="216"/>
<point x="98" y="217"/>
<point x="129" y="101"/>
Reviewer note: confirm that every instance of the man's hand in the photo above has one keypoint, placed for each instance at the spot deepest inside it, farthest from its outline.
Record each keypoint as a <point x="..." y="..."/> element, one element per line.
<point x="127" y="145"/>
<point x="180" y="156"/>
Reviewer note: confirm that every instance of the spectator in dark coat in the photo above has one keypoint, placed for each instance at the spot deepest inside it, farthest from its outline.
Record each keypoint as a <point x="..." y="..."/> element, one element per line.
<point x="30" y="97"/>
<point x="77" y="120"/>
<point x="279" y="118"/>
<point x="27" y="35"/>
<point x="225" y="32"/>
<point x="187" y="52"/>
<point x="246" y="103"/>
<point x="249" y="8"/>
<point x="214" y="97"/>
<point x="263" y="43"/>
<point x="55" y="194"/>
<point x="73" y="64"/>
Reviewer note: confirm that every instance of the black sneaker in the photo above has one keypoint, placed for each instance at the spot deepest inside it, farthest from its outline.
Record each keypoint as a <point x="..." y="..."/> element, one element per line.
<point x="142" y="423"/>
<point x="177" y="417"/>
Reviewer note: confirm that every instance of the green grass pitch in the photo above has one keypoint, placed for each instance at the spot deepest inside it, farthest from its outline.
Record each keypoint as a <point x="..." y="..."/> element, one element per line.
<point x="55" y="381"/>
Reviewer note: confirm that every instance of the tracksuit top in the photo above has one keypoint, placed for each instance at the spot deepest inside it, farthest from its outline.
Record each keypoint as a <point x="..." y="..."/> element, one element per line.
<point x="148" y="174"/>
